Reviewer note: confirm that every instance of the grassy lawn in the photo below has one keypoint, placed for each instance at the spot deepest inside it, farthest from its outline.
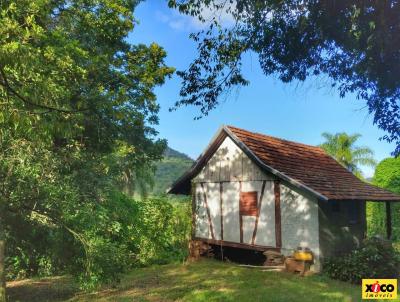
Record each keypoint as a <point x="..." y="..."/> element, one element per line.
<point x="206" y="280"/>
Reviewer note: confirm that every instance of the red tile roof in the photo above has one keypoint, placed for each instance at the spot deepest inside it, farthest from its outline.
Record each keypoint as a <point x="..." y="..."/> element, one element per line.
<point x="310" y="166"/>
<point x="307" y="167"/>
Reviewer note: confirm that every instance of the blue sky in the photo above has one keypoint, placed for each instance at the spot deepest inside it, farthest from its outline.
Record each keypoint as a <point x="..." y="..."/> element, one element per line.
<point x="297" y="111"/>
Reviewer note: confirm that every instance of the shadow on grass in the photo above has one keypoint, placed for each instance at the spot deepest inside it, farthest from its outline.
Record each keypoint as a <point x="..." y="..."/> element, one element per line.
<point x="206" y="280"/>
<point x="53" y="289"/>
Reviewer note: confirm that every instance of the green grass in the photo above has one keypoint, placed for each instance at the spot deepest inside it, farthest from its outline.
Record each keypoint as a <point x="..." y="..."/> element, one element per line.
<point x="205" y="280"/>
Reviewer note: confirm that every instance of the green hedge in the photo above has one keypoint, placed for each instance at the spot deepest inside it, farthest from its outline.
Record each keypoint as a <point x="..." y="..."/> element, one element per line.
<point x="376" y="258"/>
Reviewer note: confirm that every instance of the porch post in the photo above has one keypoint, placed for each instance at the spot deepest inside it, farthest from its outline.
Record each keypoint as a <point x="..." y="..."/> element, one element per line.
<point x="388" y="220"/>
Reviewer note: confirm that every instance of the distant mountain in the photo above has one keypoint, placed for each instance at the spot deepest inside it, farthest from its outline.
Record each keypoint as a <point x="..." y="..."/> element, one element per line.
<point x="170" y="169"/>
<point x="169" y="152"/>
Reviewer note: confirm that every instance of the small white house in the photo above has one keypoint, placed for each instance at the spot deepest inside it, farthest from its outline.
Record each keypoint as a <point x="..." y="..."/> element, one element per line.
<point x="258" y="192"/>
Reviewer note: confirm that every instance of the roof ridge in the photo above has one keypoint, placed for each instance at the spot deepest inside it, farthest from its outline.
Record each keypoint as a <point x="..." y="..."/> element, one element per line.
<point x="277" y="138"/>
<point x="306" y="167"/>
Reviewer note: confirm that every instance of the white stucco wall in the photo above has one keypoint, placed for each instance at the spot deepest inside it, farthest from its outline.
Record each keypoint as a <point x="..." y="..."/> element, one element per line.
<point x="213" y="201"/>
<point x="201" y="220"/>
<point x="266" y="224"/>
<point x="299" y="222"/>
<point x="230" y="210"/>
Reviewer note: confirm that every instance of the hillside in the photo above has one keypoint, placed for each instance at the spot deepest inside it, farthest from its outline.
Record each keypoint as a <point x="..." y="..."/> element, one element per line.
<point x="170" y="169"/>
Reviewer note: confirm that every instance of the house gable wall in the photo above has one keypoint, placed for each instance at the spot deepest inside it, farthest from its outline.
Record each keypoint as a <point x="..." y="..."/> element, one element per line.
<point x="218" y="185"/>
<point x="230" y="163"/>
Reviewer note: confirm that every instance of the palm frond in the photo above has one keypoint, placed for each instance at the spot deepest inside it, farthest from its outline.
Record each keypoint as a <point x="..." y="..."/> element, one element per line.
<point x="341" y="146"/>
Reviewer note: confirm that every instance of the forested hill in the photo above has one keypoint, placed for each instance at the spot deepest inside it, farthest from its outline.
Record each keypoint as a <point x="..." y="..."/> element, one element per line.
<point x="169" y="152"/>
<point x="170" y="169"/>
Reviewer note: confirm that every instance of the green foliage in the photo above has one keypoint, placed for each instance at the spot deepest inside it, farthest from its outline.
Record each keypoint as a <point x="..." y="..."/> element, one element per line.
<point x="37" y="250"/>
<point x="375" y="259"/>
<point x="115" y="236"/>
<point x="376" y="219"/>
<point x="169" y="169"/>
<point x="353" y="43"/>
<point x="77" y="118"/>
<point x="66" y="69"/>
<point x="130" y="233"/>
<point x="165" y="232"/>
<point x="70" y="80"/>
<point x="341" y="146"/>
<point x="387" y="175"/>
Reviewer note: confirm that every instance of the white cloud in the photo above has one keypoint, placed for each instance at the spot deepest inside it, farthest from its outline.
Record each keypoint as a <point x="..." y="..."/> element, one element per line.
<point x="225" y="18"/>
<point x="178" y="21"/>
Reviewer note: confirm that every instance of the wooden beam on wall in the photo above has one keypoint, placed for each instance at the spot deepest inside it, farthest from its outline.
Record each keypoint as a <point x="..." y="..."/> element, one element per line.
<point x="221" y="190"/>
<point x="253" y="239"/>
<point x="240" y="214"/>
<point x="278" y="229"/>
<point x="238" y="245"/>
<point x="194" y="210"/>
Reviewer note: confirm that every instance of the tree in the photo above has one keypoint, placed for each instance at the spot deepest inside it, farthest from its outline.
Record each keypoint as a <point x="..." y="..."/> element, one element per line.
<point x="76" y="103"/>
<point x="387" y="175"/>
<point x="356" y="44"/>
<point x="341" y="146"/>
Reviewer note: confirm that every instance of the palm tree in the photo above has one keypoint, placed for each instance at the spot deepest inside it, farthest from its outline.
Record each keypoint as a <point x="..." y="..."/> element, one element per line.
<point x="341" y="146"/>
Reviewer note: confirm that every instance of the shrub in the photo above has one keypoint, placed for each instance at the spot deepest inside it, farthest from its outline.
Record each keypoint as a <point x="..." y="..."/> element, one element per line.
<point x="100" y="241"/>
<point x="374" y="259"/>
<point x="127" y="233"/>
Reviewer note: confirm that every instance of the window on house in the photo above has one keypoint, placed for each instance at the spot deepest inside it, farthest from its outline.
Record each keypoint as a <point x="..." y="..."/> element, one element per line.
<point x="248" y="203"/>
<point x="335" y="206"/>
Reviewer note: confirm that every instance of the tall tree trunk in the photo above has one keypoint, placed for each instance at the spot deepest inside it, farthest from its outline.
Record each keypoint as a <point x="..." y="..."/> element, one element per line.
<point x="3" y="297"/>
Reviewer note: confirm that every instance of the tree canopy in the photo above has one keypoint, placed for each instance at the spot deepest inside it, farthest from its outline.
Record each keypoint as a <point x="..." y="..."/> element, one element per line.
<point x="343" y="148"/>
<point x="356" y="44"/>
<point x="77" y="117"/>
<point x="67" y="70"/>
<point x="387" y="175"/>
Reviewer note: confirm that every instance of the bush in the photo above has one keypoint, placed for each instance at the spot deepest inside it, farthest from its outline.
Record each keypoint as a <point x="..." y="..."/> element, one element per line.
<point x="34" y="249"/>
<point x="374" y="259"/>
<point x="100" y="241"/>
<point x="126" y="233"/>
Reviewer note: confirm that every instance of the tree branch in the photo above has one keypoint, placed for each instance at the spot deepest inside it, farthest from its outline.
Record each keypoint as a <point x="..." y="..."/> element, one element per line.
<point x="8" y="87"/>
